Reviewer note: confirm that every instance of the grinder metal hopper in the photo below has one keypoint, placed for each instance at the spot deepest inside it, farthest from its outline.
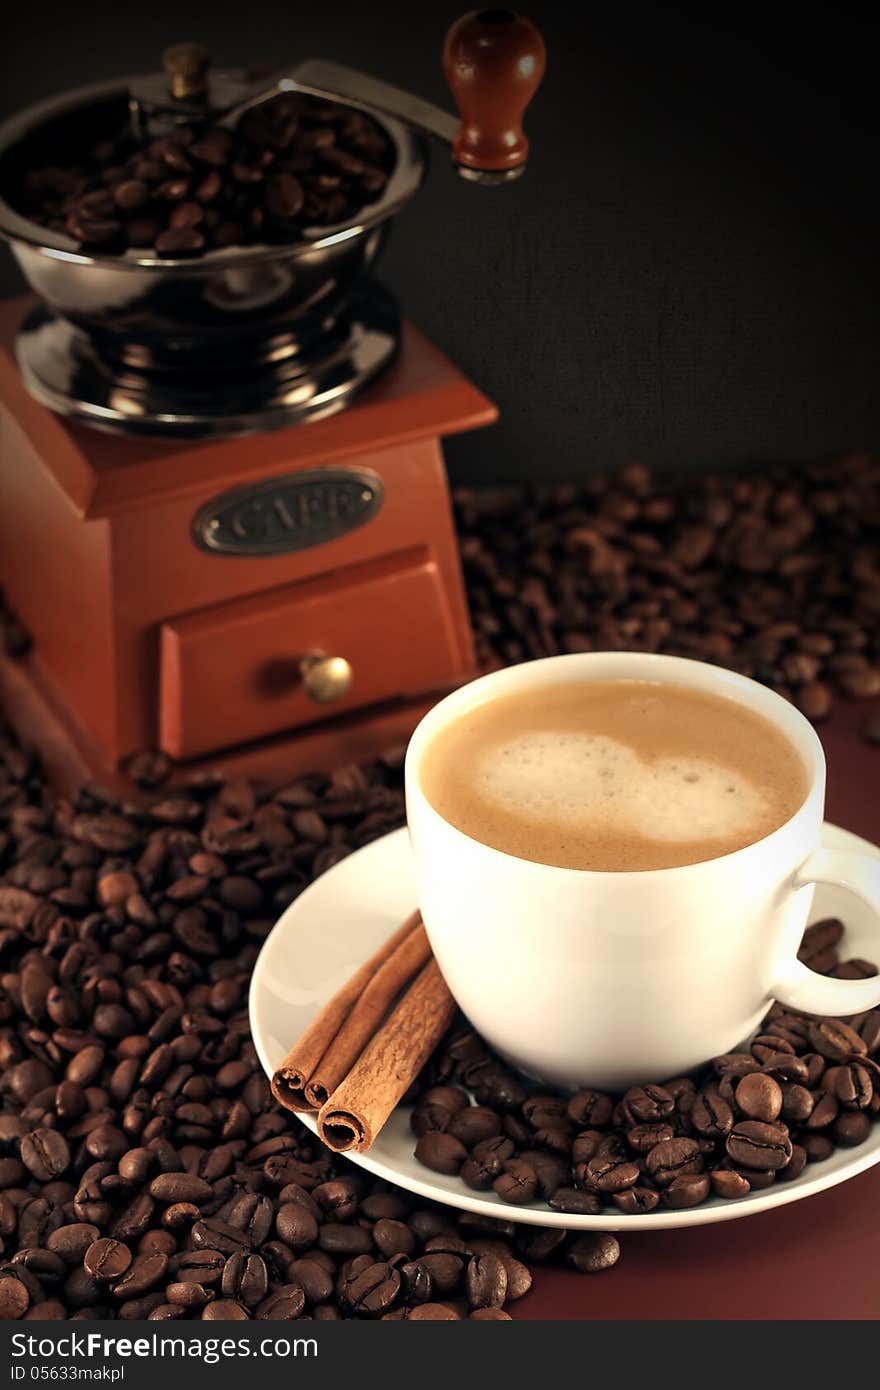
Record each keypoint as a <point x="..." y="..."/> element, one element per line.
<point x="245" y="337"/>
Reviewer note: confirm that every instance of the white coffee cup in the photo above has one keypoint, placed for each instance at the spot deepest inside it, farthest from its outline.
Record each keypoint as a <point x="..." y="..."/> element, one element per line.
<point x="612" y="979"/>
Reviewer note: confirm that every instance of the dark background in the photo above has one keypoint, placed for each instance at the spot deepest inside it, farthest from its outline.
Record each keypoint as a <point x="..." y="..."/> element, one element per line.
<point x="688" y="273"/>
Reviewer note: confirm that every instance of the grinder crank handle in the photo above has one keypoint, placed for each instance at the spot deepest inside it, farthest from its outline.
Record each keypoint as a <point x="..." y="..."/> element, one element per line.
<point x="493" y="61"/>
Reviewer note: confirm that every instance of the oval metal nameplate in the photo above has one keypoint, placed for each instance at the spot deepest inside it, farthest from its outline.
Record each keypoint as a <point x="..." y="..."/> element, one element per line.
<point x="289" y="513"/>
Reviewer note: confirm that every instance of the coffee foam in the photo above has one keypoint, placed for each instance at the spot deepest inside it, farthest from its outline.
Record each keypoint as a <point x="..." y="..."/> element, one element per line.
<point x="592" y="783"/>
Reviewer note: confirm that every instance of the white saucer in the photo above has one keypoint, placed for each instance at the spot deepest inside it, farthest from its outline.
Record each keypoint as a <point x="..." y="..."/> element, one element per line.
<point x="341" y="919"/>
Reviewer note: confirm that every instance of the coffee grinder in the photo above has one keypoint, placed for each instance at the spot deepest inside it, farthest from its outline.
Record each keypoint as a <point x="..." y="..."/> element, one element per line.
<point x="226" y="520"/>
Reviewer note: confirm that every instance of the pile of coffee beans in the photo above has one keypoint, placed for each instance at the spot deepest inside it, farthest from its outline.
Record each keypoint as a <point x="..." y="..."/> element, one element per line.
<point x="144" y="1169"/>
<point x="805" y="1086"/>
<point x="293" y="162"/>
<point x="776" y="576"/>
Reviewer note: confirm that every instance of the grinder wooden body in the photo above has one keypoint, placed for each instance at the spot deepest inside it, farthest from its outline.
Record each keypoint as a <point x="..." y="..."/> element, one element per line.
<point x="147" y="637"/>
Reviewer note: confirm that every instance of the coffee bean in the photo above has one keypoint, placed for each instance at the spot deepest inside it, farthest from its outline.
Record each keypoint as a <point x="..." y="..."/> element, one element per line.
<point x="442" y="1152"/>
<point x="517" y="1183"/>
<point x="574" y="1202"/>
<point x="486" y="1282"/>
<point x="106" y="1260"/>
<point x="244" y="1279"/>
<point x="473" y="1125"/>
<point x="795" y="1165"/>
<point x="672" y="1159"/>
<point x="142" y="1275"/>
<point x="758" y="1145"/>
<point x="372" y="1291"/>
<point x="45" y="1154"/>
<point x="728" y="1184"/>
<point x="609" y="1173"/>
<point x="180" y="1187"/>
<point x="297" y="1227"/>
<point x="710" y="1116"/>
<point x="593" y="1252"/>
<point x="72" y="1241"/>
<point x="851" y="1128"/>
<point x="315" y="1281"/>
<point x="179" y="240"/>
<point x="834" y="1039"/>
<point x="433" y="1312"/>
<point x="342" y="1240"/>
<point x="14" y="1298"/>
<point x="284" y="1304"/>
<point x="758" y="1097"/>
<point x="225" y="1310"/>
<point x="203" y="1267"/>
<point x="636" y="1199"/>
<point x="687" y="1190"/>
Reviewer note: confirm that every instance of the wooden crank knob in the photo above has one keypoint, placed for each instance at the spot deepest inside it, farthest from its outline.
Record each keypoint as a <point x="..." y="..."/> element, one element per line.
<point x="493" y="61"/>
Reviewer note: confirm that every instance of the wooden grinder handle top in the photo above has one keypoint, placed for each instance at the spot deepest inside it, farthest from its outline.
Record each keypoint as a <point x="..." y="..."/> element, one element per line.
<point x="493" y="61"/>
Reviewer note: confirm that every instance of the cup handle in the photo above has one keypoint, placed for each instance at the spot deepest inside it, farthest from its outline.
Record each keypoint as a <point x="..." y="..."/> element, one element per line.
<point x="802" y="988"/>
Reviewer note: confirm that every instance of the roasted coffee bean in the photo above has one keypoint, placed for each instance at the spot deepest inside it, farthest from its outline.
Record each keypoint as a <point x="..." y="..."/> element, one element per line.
<point x="649" y="1104"/>
<point x="795" y="1165"/>
<point x="225" y="1310"/>
<point x="283" y="1304"/>
<point x="758" y="1145"/>
<point x="106" y="1260"/>
<point x="710" y="1116"/>
<point x="440" y="1151"/>
<point x="728" y="1184"/>
<point x="473" y="1125"/>
<point x="198" y="1267"/>
<point x="14" y="1298"/>
<point x="687" y="1190"/>
<point x="642" y="1138"/>
<point x="824" y="1111"/>
<point x="834" y="1039"/>
<point x="433" y="1312"/>
<point x="393" y="1238"/>
<point x="486" y="1282"/>
<point x="445" y="1270"/>
<point x="672" y="1159"/>
<point x="609" y="1174"/>
<point x="72" y="1241"/>
<point x="851" y="1128"/>
<point x="141" y="1277"/>
<point x="315" y="1281"/>
<point x="214" y="1234"/>
<point x="245" y="1279"/>
<point x="297" y="1227"/>
<point x="372" y="1291"/>
<point x="45" y="1153"/>
<point x="758" y="1097"/>
<point x="589" y="1109"/>
<point x="593" y="1252"/>
<point x="517" y="1183"/>
<point x="343" y="1240"/>
<point x="574" y="1202"/>
<point x="187" y="1295"/>
<point x="180" y="1187"/>
<point x="636" y="1199"/>
<point x="817" y="1147"/>
<point x="852" y="1084"/>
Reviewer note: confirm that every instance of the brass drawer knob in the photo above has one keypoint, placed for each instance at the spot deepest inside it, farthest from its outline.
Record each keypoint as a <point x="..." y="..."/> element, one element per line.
<point x="326" y="678"/>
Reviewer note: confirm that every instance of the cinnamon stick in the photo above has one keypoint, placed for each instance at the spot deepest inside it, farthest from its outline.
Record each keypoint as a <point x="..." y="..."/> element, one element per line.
<point x="361" y="1104"/>
<point x="383" y="989"/>
<point x="291" y="1078"/>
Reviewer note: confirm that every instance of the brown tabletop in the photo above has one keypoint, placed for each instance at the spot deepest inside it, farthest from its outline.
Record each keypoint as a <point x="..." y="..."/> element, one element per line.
<point x="819" y="1258"/>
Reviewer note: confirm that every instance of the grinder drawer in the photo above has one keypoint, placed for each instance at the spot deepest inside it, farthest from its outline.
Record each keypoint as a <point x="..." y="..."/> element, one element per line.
<point x="233" y="673"/>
